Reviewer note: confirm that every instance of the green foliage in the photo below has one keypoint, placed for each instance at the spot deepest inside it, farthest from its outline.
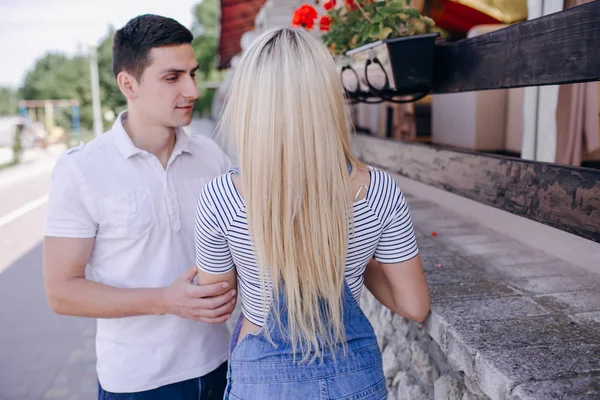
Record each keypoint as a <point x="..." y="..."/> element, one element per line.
<point x="111" y="97"/>
<point x="17" y="146"/>
<point x="372" y="21"/>
<point x="56" y="76"/>
<point x="205" y="44"/>
<point x="8" y="101"/>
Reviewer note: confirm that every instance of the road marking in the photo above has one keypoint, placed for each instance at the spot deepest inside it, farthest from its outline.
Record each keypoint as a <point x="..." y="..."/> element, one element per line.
<point x="32" y="205"/>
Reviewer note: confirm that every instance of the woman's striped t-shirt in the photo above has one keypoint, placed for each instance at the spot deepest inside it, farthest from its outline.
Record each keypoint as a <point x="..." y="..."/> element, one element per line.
<point x="382" y="229"/>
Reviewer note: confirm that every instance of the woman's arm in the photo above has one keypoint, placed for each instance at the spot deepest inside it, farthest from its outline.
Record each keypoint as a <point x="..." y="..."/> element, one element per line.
<point x="204" y="278"/>
<point x="401" y="287"/>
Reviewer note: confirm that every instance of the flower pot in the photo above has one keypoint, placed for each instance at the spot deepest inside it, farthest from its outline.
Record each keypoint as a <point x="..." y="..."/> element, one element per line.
<point x="391" y="67"/>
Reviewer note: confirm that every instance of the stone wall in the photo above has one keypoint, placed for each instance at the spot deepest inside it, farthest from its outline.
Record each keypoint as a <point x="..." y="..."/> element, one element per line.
<point x="508" y="321"/>
<point x="414" y="365"/>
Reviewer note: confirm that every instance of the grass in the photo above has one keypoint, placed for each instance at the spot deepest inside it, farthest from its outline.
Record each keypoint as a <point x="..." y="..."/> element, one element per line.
<point x="8" y="165"/>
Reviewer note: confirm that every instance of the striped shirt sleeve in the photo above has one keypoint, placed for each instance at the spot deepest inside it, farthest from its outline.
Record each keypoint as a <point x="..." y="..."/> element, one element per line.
<point x="212" y="250"/>
<point x="397" y="242"/>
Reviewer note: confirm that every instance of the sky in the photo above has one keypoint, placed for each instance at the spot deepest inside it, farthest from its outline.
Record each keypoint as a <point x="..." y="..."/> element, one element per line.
<point x="30" y="28"/>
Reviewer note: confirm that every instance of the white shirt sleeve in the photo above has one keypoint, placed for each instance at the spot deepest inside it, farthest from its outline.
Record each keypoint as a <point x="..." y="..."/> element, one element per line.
<point x="226" y="164"/>
<point x="68" y="210"/>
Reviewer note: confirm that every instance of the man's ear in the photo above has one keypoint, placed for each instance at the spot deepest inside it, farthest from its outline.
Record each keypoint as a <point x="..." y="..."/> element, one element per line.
<point x="128" y="85"/>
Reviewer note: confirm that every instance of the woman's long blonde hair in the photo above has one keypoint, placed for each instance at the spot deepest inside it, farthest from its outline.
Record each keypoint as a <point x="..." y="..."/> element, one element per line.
<point x="287" y="118"/>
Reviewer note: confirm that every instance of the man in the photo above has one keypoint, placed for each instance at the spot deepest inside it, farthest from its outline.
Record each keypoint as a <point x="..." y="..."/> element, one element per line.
<point x="124" y="205"/>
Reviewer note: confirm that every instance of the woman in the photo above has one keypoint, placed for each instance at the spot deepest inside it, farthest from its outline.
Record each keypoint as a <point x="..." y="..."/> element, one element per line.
<point x="297" y="226"/>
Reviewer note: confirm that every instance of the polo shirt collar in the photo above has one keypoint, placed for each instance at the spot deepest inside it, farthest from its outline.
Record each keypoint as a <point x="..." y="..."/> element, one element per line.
<point x="128" y="149"/>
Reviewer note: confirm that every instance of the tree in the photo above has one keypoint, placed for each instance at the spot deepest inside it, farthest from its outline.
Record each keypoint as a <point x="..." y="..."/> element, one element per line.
<point x="205" y="44"/>
<point x="56" y="76"/>
<point x="8" y="101"/>
<point x="111" y="97"/>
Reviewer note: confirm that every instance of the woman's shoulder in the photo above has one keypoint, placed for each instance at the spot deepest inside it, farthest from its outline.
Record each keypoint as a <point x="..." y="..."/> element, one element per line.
<point x="218" y="186"/>
<point x="380" y="180"/>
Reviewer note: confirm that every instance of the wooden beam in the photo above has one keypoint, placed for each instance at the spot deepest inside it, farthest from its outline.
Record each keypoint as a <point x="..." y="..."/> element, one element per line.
<point x="566" y="198"/>
<point x="555" y="49"/>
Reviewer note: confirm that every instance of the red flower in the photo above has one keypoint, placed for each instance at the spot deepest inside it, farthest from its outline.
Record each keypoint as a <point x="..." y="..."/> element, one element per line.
<point x="329" y="5"/>
<point x="304" y="16"/>
<point x="350" y="4"/>
<point x="325" y="23"/>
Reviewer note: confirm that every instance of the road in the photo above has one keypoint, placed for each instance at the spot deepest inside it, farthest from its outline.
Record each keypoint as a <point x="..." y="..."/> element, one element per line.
<point x="42" y="355"/>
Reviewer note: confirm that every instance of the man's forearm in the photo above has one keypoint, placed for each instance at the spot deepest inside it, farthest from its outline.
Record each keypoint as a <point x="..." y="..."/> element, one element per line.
<point x="85" y="298"/>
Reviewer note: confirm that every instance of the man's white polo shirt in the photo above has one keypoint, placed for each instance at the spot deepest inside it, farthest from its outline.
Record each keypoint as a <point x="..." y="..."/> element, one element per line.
<point x="142" y="217"/>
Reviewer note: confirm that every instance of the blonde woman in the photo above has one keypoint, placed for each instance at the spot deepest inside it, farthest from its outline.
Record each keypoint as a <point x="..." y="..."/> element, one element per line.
<point x="298" y="226"/>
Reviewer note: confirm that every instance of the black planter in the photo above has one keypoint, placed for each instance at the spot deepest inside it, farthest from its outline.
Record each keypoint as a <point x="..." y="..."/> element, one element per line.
<point x="393" y="67"/>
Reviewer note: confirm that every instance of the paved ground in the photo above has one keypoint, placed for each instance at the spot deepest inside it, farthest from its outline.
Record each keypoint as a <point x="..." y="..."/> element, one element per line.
<point x="46" y="356"/>
<point x="42" y="355"/>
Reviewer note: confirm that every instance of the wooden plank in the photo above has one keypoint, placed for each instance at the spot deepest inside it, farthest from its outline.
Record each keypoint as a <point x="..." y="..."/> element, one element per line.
<point x="555" y="49"/>
<point x="566" y="198"/>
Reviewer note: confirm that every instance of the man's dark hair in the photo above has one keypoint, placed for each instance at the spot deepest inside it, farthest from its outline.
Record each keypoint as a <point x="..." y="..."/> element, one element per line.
<point x="132" y="43"/>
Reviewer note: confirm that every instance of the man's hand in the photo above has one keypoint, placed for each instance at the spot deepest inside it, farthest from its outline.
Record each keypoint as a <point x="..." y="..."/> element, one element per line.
<point x="206" y="303"/>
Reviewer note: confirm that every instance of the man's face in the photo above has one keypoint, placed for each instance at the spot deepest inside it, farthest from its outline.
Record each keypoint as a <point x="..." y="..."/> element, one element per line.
<point x="167" y="89"/>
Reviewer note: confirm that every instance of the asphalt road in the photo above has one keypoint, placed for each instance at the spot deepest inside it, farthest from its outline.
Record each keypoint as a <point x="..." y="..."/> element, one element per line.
<point x="42" y="355"/>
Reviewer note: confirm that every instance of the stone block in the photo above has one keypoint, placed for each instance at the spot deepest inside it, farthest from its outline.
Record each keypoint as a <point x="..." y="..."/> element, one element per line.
<point x="425" y="241"/>
<point x="450" y="272"/>
<point x="465" y="240"/>
<point x="501" y="260"/>
<point x="415" y="203"/>
<point x="391" y="366"/>
<point x="571" y="303"/>
<point x="400" y="349"/>
<point x="523" y="332"/>
<point x="591" y="319"/>
<point x="436" y="327"/>
<point x="423" y="365"/>
<point x="505" y="248"/>
<point x="542" y="363"/>
<point x="446" y="232"/>
<point x="480" y="309"/>
<point x="431" y="258"/>
<point x="407" y="390"/>
<point x="401" y="326"/>
<point x="448" y="387"/>
<point x="461" y="355"/>
<point x="470" y="290"/>
<point x="557" y="284"/>
<point x="443" y="222"/>
<point x="587" y="387"/>
<point x="540" y="269"/>
<point x="472" y="387"/>
<point x="471" y="396"/>
<point x="491" y="380"/>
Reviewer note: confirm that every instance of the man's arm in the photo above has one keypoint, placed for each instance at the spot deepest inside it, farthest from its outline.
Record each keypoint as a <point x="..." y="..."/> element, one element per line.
<point x="70" y="293"/>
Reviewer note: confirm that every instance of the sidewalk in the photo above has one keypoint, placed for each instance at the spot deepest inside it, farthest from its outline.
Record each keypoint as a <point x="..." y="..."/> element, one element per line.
<point x="33" y="161"/>
<point x="43" y="355"/>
